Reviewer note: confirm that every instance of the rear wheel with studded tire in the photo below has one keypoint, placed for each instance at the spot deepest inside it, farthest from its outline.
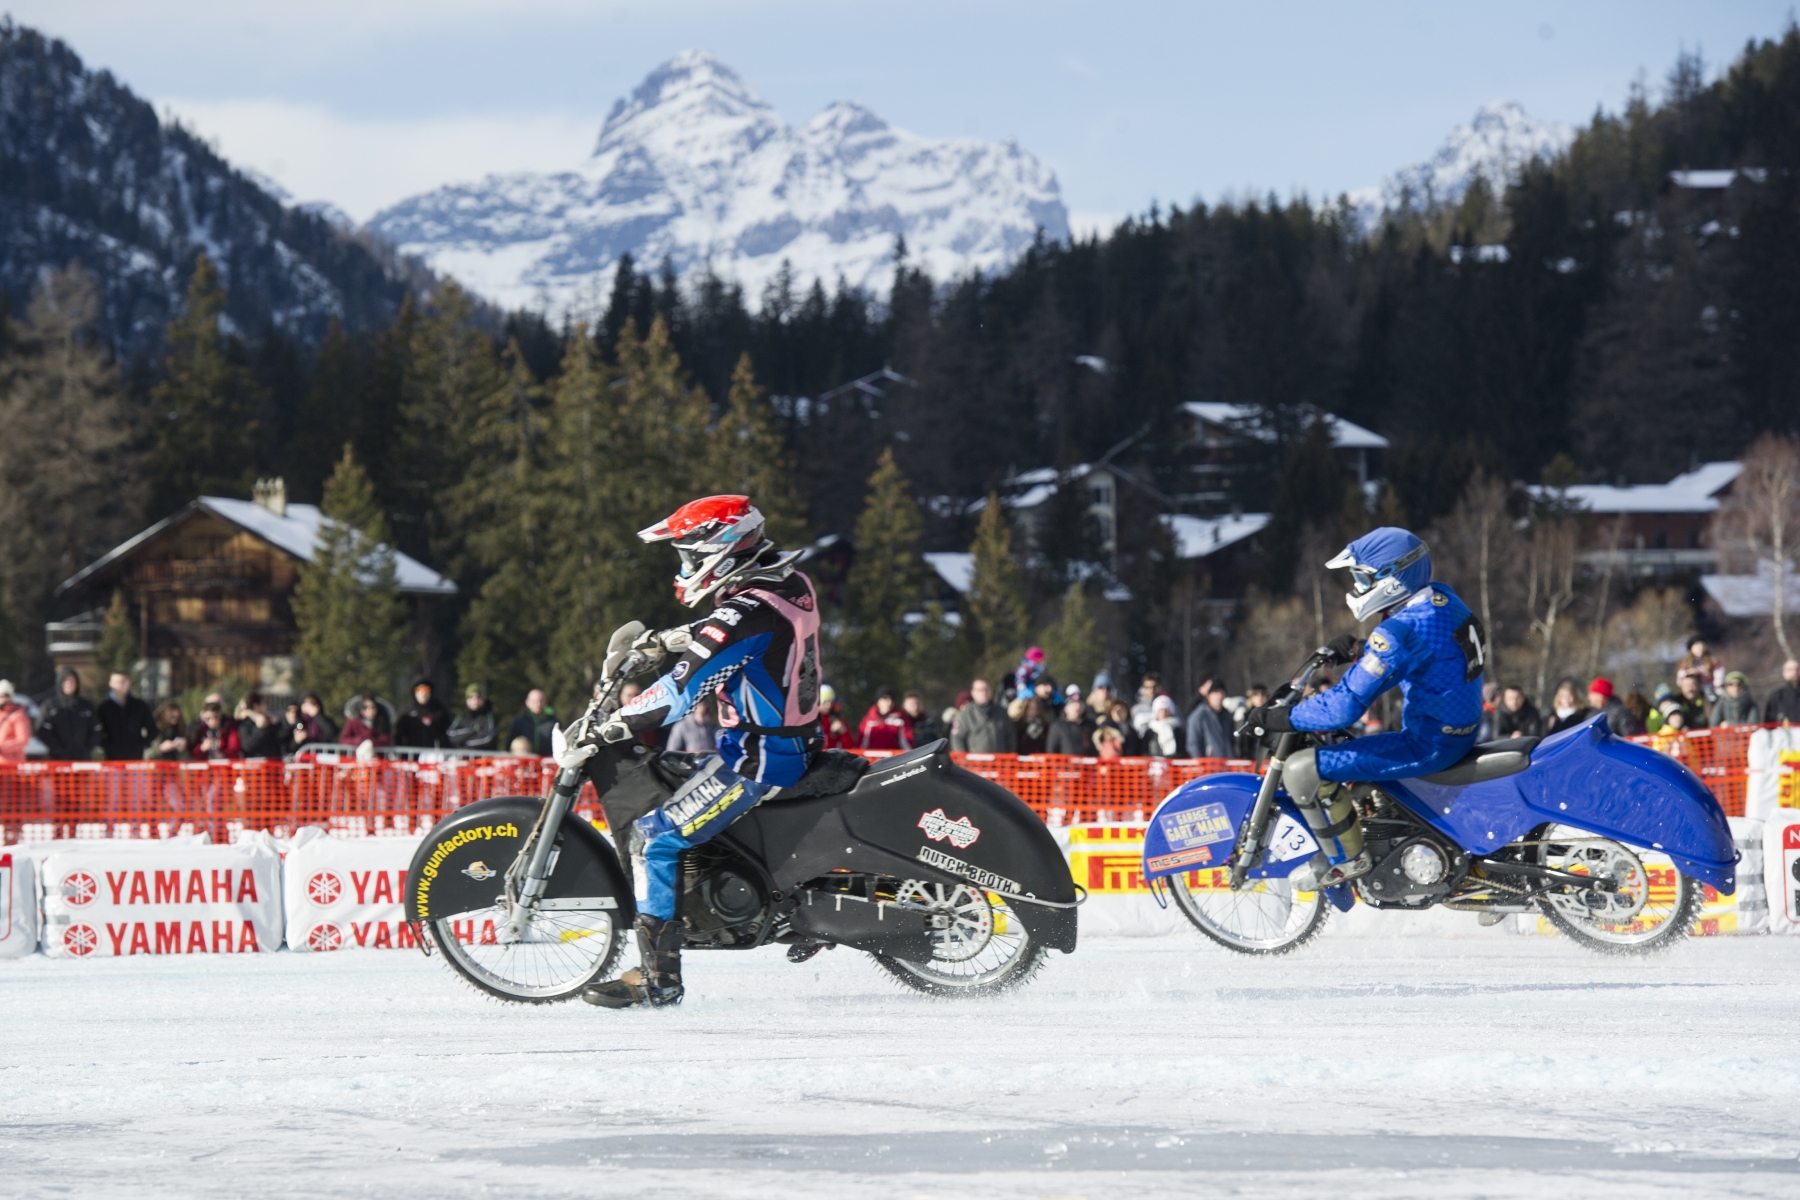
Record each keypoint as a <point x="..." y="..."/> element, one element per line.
<point x="980" y="947"/>
<point x="1648" y="904"/>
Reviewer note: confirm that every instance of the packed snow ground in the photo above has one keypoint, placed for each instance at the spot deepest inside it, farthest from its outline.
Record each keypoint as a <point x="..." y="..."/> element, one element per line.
<point x="1503" y="1066"/>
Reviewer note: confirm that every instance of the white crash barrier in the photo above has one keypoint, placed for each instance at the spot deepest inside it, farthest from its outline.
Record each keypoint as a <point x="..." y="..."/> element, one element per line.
<point x="1765" y="768"/>
<point x="1781" y="869"/>
<point x="18" y="903"/>
<point x="346" y="893"/>
<point x="106" y="899"/>
<point x="1749" y="907"/>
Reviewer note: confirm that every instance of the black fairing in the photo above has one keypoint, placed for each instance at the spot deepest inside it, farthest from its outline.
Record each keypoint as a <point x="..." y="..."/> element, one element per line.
<point x="492" y="832"/>
<point x="884" y="826"/>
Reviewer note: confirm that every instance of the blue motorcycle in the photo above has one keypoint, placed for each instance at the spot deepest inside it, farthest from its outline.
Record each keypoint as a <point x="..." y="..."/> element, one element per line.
<point x="1609" y="840"/>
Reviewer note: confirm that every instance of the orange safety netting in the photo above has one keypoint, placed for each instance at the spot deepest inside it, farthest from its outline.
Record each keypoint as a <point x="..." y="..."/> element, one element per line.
<point x="40" y="801"/>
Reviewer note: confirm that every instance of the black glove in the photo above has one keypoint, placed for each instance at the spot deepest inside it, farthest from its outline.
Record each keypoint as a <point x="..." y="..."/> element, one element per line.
<point x="1343" y="648"/>
<point x="1268" y="719"/>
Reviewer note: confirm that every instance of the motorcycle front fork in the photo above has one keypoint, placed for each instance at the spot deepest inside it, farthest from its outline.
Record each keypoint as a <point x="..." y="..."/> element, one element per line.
<point x="530" y="873"/>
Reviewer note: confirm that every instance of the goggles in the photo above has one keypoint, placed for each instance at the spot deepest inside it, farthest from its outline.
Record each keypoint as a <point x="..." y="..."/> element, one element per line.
<point x="1364" y="578"/>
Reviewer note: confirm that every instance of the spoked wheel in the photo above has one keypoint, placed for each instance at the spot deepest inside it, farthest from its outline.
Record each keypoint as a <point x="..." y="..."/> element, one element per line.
<point x="979" y="945"/>
<point x="561" y="952"/>
<point x="1649" y="904"/>
<point x="1270" y="916"/>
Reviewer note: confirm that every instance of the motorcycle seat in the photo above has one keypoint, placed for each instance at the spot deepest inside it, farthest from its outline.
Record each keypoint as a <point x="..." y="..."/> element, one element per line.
<point x="832" y="773"/>
<point x="1487" y="760"/>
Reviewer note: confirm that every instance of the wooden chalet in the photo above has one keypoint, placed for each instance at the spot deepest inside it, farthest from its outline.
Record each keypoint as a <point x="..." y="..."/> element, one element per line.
<point x="209" y="588"/>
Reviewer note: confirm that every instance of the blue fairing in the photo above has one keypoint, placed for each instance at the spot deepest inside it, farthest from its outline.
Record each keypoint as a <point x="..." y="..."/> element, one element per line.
<point x="1587" y="778"/>
<point x="1195" y="827"/>
<point x="1583" y="777"/>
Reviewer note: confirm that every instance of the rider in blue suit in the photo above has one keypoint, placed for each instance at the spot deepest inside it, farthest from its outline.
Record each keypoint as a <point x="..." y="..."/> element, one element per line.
<point x="1429" y="644"/>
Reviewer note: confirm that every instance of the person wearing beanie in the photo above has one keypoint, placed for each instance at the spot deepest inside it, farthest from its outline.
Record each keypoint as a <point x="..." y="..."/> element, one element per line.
<point x="1602" y="699"/>
<point x="1032" y="672"/>
<point x="477" y="726"/>
<point x="1737" y="706"/>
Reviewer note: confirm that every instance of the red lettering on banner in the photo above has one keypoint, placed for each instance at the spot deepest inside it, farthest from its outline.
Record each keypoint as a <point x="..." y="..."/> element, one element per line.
<point x="1790" y="838"/>
<point x="168" y="937"/>
<point x="383" y="940"/>
<point x="140" y="889"/>
<point x="196" y="889"/>
<point x="360" y="932"/>
<point x="221" y="930"/>
<point x="117" y="885"/>
<point x="140" y="938"/>
<point x="247" y="886"/>
<point x="384" y="889"/>
<point x="487" y="934"/>
<point x="403" y="939"/>
<point x="168" y="887"/>
<point x="247" y="940"/>
<point x="196" y="943"/>
<point x="464" y="931"/>
<point x="361" y="884"/>
<point x="118" y="936"/>
<point x="221" y="883"/>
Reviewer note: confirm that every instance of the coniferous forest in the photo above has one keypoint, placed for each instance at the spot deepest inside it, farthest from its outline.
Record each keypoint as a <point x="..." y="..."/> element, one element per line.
<point x="1627" y="331"/>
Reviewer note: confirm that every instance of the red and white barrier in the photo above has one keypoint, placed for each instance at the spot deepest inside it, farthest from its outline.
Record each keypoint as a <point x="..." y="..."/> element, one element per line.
<point x="346" y="893"/>
<point x="1781" y="869"/>
<point x="103" y="900"/>
<point x="18" y="903"/>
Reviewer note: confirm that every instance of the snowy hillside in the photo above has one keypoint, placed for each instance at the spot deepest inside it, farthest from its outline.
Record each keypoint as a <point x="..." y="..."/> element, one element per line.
<point x="695" y="165"/>
<point x="88" y="173"/>
<point x="1495" y="145"/>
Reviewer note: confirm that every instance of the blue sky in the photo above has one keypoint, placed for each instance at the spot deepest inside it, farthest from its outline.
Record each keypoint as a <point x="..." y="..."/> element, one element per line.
<point x="362" y="102"/>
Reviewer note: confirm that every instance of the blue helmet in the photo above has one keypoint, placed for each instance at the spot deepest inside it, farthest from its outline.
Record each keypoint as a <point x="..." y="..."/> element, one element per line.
<point x="1386" y="566"/>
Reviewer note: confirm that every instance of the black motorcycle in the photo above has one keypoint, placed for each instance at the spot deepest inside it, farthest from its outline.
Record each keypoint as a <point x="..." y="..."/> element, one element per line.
<point x="948" y="880"/>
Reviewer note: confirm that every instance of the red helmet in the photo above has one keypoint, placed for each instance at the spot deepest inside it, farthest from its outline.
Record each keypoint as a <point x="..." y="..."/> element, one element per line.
<point x="719" y="539"/>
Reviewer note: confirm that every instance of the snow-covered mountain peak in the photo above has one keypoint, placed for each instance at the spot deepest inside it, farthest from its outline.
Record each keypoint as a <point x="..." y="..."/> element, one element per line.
<point x="1495" y="146"/>
<point x="695" y="166"/>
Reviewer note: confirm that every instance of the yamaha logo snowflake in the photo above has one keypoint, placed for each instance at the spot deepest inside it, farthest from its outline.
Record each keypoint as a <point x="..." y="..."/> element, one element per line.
<point x="937" y="827"/>
<point x="324" y="889"/>
<point x="79" y="888"/>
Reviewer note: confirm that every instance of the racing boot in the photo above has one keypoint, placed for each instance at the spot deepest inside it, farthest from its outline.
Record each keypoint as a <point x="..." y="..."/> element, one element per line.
<point x="657" y="982"/>
<point x="1331" y="815"/>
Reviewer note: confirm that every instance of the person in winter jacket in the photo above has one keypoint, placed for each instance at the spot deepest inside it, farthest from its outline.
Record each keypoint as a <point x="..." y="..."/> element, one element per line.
<point x="426" y="725"/>
<point x="1031" y="672"/>
<point x="534" y="723"/>
<point x="694" y="733"/>
<point x="1784" y="701"/>
<point x="370" y="724"/>
<point x="1209" y="726"/>
<point x="1118" y="716"/>
<point x="837" y="731"/>
<point x="924" y="727"/>
<point x="125" y="722"/>
<point x="884" y="726"/>
<point x="1516" y="716"/>
<point x="982" y="726"/>
<point x="213" y="738"/>
<point x="313" y="726"/>
<point x="1737" y="706"/>
<point x="68" y="727"/>
<point x="259" y="734"/>
<point x="1073" y="732"/>
<point x="475" y="727"/>
<point x="1162" y="737"/>
<point x="15" y="725"/>
<point x="1601" y="698"/>
<point x="168" y="739"/>
<point x="1566" y="710"/>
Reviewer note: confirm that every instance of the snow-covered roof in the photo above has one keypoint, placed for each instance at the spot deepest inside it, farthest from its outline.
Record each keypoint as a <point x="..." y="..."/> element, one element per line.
<point x="1752" y="595"/>
<point x="1197" y="537"/>
<point x="1714" y="180"/>
<point x="297" y="533"/>
<point x="1695" y="491"/>
<point x="956" y="568"/>
<point x="1345" y="435"/>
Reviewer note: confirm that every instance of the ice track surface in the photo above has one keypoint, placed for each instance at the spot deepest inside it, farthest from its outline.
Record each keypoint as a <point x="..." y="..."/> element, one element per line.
<point x="1499" y="1067"/>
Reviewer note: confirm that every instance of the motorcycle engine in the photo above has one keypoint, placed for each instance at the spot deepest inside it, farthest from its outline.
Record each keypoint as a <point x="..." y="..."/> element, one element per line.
<point x="1413" y="867"/>
<point x="733" y="898"/>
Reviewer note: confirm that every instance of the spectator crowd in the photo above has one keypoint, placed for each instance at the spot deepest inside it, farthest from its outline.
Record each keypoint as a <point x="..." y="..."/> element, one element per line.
<point x="1027" y="712"/>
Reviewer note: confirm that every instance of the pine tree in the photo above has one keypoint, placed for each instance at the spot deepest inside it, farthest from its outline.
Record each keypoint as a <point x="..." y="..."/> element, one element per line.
<point x="354" y="629"/>
<point x="1072" y="645"/>
<point x="996" y="602"/>
<point x="886" y="582"/>
<point x="747" y="455"/>
<point x="202" y="415"/>
<point x="118" y="638"/>
<point x="70" y="470"/>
